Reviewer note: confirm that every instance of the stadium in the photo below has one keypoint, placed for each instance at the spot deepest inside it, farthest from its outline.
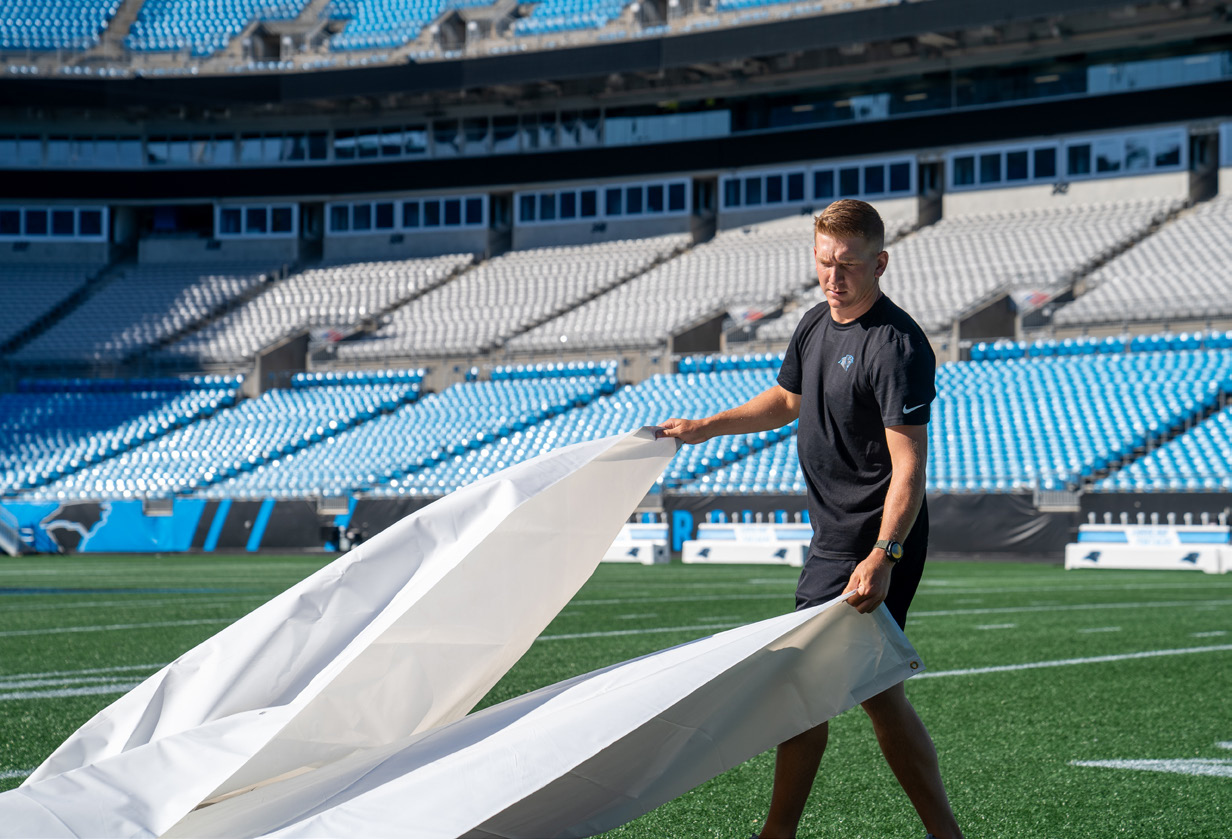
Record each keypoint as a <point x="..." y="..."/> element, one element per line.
<point x="277" y="275"/>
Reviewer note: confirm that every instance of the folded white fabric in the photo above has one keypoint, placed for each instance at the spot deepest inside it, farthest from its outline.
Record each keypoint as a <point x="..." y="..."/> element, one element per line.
<point x="594" y="752"/>
<point x="401" y="635"/>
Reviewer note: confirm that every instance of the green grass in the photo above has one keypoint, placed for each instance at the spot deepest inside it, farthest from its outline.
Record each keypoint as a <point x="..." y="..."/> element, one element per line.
<point x="1006" y="739"/>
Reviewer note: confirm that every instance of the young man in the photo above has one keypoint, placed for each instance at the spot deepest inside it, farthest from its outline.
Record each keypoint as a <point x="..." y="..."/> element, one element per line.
<point x="858" y="374"/>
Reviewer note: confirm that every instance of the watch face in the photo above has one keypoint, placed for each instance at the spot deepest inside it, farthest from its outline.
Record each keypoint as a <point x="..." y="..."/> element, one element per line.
<point x="895" y="550"/>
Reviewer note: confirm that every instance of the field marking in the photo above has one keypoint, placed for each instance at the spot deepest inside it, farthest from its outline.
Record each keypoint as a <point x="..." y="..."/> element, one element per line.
<point x="615" y="633"/>
<point x="997" y="626"/>
<point x="59" y="630"/>
<point x="68" y="683"/>
<point x="1095" y="629"/>
<point x="1067" y="607"/>
<point x="990" y="610"/>
<point x="89" y="604"/>
<point x="692" y="598"/>
<point x="1216" y="633"/>
<point x="58" y="683"/>
<point x="9" y="774"/>
<point x="87" y="690"/>
<point x="1068" y="662"/>
<point x="1226" y="744"/>
<point x="1213" y="767"/>
<point x="51" y="674"/>
<point x="637" y="617"/>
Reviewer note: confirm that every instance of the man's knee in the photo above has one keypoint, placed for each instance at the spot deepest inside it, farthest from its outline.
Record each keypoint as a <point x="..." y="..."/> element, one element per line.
<point x="890" y="703"/>
<point x="813" y="738"/>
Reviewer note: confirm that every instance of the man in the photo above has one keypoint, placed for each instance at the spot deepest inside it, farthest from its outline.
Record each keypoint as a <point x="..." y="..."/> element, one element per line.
<point x="858" y="374"/>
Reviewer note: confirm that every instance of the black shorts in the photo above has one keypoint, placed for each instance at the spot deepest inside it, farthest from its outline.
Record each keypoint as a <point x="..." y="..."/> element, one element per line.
<point x="824" y="579"/>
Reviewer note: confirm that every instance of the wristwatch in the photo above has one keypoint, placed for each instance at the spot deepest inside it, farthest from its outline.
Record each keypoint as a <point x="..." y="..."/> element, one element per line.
<point x="893" y="549"/>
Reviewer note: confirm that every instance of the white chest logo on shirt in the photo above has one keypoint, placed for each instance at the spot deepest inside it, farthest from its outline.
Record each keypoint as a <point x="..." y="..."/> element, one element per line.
<point x="846" y="361"/>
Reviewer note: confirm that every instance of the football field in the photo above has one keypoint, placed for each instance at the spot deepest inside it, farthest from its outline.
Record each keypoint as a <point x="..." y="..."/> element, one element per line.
<point x="1063" y="704"/>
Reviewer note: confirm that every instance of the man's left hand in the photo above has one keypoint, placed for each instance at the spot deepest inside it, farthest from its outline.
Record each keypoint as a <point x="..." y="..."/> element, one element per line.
<point x="870" y="582"/>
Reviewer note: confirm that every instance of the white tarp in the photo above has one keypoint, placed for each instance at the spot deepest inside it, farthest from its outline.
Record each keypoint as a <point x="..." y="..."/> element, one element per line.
<point x="401" y="635"/>
<point x="594" y="752"/>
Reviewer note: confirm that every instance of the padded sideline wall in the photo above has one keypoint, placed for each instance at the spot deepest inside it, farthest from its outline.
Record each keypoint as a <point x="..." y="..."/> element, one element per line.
<point x="972" y="524"/>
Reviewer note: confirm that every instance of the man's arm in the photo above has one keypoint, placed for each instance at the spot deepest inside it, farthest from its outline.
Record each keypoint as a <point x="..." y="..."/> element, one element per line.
<point x="769" y="409"/>
<point x="908" y="446"/>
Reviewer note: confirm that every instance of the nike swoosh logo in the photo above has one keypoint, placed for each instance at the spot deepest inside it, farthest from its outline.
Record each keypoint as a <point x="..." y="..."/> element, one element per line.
<point x="907" y="410"/>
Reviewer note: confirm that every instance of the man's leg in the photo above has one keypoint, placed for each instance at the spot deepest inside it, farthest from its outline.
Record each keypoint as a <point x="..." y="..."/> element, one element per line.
<point x="795" y="767"/>
<point x="909" y="750"/>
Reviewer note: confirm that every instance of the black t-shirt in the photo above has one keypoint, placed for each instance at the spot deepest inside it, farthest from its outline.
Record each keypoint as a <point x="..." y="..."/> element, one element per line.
<point x="855" y="380"/>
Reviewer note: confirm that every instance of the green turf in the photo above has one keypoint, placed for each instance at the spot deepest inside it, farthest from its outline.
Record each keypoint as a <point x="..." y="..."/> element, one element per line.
<point x="1006" y="739"/>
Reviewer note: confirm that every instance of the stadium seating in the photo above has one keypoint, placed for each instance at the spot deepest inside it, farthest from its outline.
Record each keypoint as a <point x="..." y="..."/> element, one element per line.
<point x="1198" y="460"/>
<point x="773" y="469"/>
<point x="54" y="25"/>
<point x="755" y="266"/>
<point x="32" y="290"/>
<point x="139" y="308"/>
<point x="551" y="16"/>
<point x="653" y="400"/>
<point x="1048" y="420"/>
<point x="53" y="428"/>
<point x="439" y="428"/>
<point x="237" y="440"/>
<point x="1051" y="422"/>
<point x="380" y="24"/>
<point x="203" y="29"/>
<point x="504" y="295"/>
<point x="941" y="271"/>
<point x="331" y="296"/>
<point x="1184" y="271"/>
<point x="1159" y="342"/>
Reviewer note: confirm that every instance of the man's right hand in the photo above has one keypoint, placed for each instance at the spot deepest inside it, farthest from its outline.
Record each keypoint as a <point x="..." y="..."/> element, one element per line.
<point x="685" y="430"/>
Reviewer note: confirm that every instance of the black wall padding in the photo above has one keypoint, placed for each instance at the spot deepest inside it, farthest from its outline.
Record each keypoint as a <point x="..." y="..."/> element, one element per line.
<point x="293" y="525"/>
<point x="1163" y="503"/>
<point x="997" y="524"/>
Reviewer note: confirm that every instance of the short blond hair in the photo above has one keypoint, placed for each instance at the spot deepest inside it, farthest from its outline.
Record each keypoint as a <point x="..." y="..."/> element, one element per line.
<point x="847" y="218"/>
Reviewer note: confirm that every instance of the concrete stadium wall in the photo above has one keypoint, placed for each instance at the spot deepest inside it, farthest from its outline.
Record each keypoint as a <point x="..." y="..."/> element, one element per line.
<point x="90" y="253"/>
<point x="588" y="232"/>
<point x="907" y="208"/>
<point x="1225" y="181"/>
<point x="405" y="245"/>
<point x="1164" y="185"/>
<point x="274" y="251"/>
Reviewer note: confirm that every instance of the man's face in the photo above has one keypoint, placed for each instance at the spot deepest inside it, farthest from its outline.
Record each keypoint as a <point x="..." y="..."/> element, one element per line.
<point x="848" y="269"/>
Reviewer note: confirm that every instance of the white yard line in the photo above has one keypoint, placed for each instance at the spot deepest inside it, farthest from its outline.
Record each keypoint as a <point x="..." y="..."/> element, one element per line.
<point x="180" y="603"/>
<point x="1068" y="607"/>
<point x="1069" y="662"/>
<point x="619" y="632"/>
<point x="89" y="671"/>
<point x="1211" y="767"/>
<point x="693" y="598"/>
<point x="8" y="774"/>
<point x="87" y="690"/>
<point x="58" y="630"/>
